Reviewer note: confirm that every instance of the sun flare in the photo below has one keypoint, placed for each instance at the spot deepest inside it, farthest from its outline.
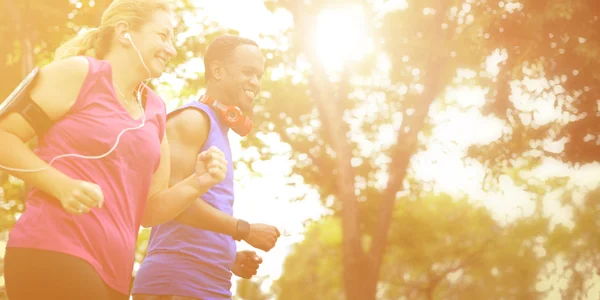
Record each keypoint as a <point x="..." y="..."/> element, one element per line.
<point x="341" y="36"/>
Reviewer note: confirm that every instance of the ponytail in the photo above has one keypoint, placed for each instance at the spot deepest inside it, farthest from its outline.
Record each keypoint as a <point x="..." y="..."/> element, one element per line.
<point x="89" y="43"/>
<point x="96" y="42"/>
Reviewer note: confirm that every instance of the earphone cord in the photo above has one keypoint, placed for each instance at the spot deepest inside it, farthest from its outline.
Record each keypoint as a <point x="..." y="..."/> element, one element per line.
<point x="139" y="101"/>
<point x="83" y="156"/>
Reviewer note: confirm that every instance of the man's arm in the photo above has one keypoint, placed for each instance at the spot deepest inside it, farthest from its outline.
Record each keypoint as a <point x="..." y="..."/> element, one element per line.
<point x="187" y="132"/>
<point x="165" y="203"/>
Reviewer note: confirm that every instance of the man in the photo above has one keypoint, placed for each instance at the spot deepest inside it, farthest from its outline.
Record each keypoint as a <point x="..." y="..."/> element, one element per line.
<point x="193" y="256"/>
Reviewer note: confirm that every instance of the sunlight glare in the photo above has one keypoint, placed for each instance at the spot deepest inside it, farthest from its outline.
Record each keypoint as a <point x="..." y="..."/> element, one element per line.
<point x="341" y="36"/>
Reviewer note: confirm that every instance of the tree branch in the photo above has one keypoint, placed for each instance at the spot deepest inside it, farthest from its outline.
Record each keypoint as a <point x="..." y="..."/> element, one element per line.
<point x="335" y="128"/>
<point x="437" y="278"/>
<point x="406" y="145"/>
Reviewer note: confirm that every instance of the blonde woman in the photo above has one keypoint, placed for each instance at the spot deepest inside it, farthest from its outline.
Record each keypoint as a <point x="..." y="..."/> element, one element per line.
<point x="76" y="239"/>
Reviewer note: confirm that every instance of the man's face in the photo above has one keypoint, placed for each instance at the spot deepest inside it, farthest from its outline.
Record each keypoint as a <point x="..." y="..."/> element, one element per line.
<point x="243" y="71"/>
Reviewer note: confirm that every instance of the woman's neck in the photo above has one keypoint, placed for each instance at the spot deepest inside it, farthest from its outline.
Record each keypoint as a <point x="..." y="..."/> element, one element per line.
<point x="124" y="77"/>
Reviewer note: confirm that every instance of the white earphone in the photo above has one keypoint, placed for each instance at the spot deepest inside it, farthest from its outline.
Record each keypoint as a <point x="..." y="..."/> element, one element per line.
<point x="128" y="36"/>
<point x="138" y="100"/>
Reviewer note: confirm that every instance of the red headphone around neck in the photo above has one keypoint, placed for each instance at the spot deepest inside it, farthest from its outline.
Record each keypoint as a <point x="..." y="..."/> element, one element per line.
<point x="231" y="115"/>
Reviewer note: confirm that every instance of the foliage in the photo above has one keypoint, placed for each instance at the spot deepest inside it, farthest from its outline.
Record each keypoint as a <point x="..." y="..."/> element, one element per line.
<point x="314" y="263"/>
<point x="250" y="289"/>
<point x="352" y="136"/>
<point x="576" y="247"/>
<point x="545" y="85"/>
<point x="439" y="248"/>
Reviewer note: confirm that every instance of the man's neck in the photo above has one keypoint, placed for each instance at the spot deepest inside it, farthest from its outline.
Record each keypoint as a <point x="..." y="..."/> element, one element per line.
<point x="215" y="94"/>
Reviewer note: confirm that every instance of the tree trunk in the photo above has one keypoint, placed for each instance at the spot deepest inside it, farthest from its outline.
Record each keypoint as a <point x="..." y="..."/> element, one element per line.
<point x="26" y="42"/>
<point x="356" y="269"/>
<point x="405" y="147"/>
<point x="336" y="129"/>
<point x="361" y="270"/>
<point x="27" y="54"/>
<point x="28" y="58"/>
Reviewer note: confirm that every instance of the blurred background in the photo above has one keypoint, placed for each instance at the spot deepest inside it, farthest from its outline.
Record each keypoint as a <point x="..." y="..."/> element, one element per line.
<point x="407" y="149"/>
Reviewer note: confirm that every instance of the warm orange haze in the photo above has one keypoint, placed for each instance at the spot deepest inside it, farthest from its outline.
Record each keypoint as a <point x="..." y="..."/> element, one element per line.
<point x="404" y="149"/>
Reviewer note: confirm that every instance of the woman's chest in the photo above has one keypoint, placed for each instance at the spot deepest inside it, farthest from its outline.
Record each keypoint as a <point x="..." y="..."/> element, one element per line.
<point x="112" y="136"/>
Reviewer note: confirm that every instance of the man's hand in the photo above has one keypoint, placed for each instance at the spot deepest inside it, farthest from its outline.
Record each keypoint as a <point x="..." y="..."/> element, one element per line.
<point x="246" y="264"/>
<point x="262" y="236"/>
<point x="211" y="167"/>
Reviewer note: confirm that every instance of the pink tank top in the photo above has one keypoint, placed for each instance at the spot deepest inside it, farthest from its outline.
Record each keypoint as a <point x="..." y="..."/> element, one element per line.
<point x="105" y="237"/>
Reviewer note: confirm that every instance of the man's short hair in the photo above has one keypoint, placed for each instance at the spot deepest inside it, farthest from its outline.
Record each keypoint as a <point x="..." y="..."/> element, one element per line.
<point x="222" y="48"/>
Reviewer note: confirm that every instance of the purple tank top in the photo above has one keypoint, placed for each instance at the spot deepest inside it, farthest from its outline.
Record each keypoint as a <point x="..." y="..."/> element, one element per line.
<point x="186" y="261"/>
<point x="105" y="237"/>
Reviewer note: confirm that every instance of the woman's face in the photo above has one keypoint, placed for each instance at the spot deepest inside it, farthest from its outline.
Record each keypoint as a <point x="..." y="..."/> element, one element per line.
<point x="154" y="40"/>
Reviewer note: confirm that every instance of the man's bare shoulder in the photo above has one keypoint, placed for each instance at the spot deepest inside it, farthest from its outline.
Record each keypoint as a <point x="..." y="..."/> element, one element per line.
<point x="189" y="125"/>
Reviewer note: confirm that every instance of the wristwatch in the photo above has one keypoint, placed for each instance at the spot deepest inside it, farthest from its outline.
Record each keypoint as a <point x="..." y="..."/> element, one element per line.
<point x="242" y="230"/>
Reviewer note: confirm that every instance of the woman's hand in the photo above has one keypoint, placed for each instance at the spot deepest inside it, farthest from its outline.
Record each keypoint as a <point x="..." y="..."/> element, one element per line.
<point x="79" y="197"/>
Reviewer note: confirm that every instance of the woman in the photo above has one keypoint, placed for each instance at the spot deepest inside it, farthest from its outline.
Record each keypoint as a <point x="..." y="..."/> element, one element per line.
<point x="77" y="237"/>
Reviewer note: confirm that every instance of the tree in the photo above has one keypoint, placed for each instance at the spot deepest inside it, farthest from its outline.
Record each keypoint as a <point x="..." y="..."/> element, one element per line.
<point x="30" y="40"/>
<point x="439" y="248"/>
<point x="316" y="263"/>
<point x="545" y="93"/>
<point x="336" y="144"/>
<point x="576" y="247"/>
<point x="428" y="43"/>
<point x="423" y="62"/>
<point x="551" y="59"/>
<point x="250" y="289"/>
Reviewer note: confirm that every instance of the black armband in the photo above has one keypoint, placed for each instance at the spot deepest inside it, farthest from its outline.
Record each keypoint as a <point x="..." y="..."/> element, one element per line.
<point x="242" y="230"/>
<point x="19" y="101"/>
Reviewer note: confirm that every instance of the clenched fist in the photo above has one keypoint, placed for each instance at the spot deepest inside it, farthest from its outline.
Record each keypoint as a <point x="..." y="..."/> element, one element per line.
<point x="211" y="167"/>
<point x="79" y="197"/>
<point x="262" y="236"/>
<point x="246" y="264"/>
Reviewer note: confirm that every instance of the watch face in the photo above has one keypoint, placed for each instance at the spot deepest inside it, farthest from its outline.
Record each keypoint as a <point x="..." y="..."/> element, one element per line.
<point x="19" y="89"/>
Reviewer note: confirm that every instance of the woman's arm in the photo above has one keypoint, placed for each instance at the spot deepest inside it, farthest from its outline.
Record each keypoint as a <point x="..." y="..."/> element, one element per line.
<point x="56" y="90"/>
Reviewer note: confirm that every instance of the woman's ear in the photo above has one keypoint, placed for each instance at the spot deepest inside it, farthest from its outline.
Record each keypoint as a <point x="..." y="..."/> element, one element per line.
<point x="121" y="32"/>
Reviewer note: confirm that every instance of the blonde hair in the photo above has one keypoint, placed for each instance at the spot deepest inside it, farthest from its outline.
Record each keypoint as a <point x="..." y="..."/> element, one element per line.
<point x="95" y="42"/>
